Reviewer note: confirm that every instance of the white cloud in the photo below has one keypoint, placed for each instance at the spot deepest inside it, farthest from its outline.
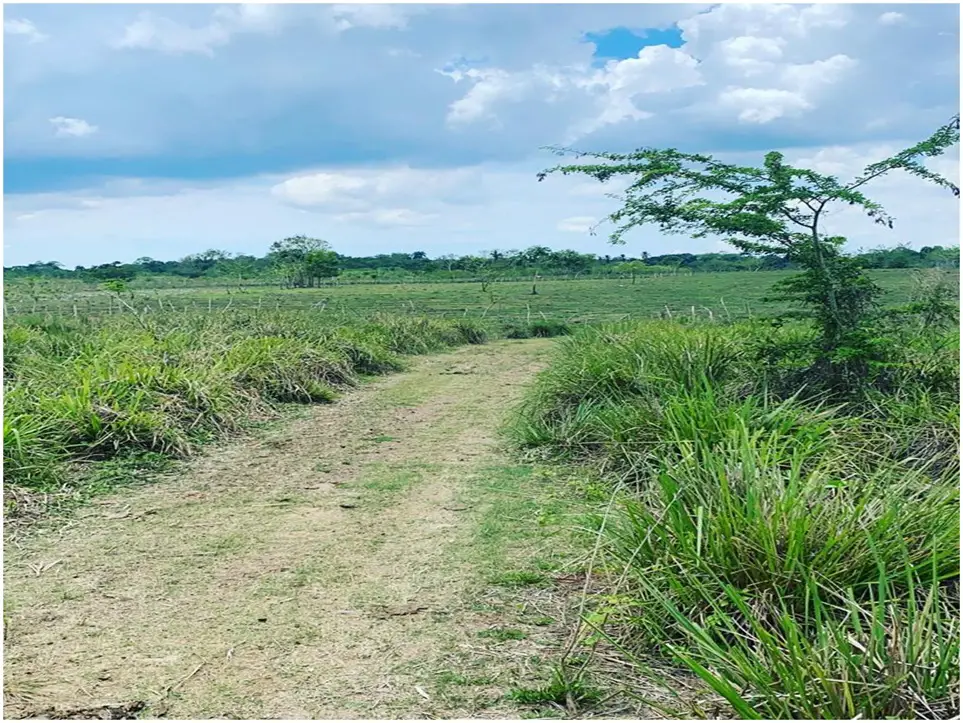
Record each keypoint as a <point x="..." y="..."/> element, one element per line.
<point x="367" y="189"/>
<point x="612" y="90"/>
<point x="800" y="84"/>
<point x="807" y="77"/>
<point x="402" y="53"/>
<point x="657" y="69"/>
<point x="153" y="32"/>
<point x="409" y="209"/>
<point x="756" y="61"/>
<point x="345" y="17"/>
<point x="577" y="224"/>
<point x="321" y="189"/>
<point x="751" y="55"/>
<point x="150" y="32"/>
<point x="491" y="86"/>
<point x="759" y="20"/>
<point x="892" y="18"/>
<point x="762" y="105"/>
<point x="76" y="127"/>
<point x="24" y="28"/>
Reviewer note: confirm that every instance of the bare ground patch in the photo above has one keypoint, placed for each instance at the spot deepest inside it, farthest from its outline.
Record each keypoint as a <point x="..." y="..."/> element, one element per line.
<point x="340" y="567"/>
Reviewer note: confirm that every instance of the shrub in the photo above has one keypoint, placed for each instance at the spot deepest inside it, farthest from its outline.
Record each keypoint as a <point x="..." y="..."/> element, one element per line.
<point x="83" y="390"/>
<point x="801" y="558"/>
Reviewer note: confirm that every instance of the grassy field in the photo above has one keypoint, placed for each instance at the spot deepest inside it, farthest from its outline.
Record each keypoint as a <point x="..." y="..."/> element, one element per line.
<point x="794" y="546"/>
<point x="798" y="552"/>
<point x="95" y="388"/>
<point x="731" y="295"/>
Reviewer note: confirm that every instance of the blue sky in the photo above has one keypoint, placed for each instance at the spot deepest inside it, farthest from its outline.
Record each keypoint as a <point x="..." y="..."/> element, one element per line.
<point x="163" y="130"/>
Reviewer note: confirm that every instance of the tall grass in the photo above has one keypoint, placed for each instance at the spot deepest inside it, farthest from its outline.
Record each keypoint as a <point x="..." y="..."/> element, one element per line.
<point x="799" y="556"/>
<point x="82" y="390"/>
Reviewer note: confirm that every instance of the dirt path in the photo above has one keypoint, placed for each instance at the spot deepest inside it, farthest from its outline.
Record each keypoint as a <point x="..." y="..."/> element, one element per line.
<point x="357" y="562"/>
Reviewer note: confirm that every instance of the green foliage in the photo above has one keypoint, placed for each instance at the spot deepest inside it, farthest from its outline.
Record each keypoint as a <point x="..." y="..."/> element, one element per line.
<point x="542" y="328"/>
<point x="81" y="389"/>
<point x="773" y="209"/>
<point x="304" y="261"/>
<point x="560" y="691"/>
<point x="801" y="559"/>
<point x="218" y="268"/>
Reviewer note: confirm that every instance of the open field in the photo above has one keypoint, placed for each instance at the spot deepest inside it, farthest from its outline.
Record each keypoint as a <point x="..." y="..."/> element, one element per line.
<point x="695" y="517"/>
<point x="727" y="295"/>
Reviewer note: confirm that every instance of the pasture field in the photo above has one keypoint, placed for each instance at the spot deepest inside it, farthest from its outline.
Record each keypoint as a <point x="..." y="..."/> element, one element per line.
<point x="675" y="509"/>
<point x="726" y="295"/>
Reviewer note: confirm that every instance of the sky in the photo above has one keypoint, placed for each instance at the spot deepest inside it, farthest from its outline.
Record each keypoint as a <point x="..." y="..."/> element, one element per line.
<point x="165" y="130"/>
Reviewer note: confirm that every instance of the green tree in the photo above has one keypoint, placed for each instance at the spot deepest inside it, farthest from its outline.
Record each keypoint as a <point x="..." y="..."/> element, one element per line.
<point x="772" y="209"/>
<point x="633" y="268"/>
<point x="303" y="261"/>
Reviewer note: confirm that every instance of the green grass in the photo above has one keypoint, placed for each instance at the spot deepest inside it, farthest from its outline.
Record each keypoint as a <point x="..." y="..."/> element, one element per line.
<point x="719" y="295"/>
<point x="95" y="389"/>
<point x="502" y="635"/>
<point x="560" y="692"/>
<point x="519" y="578"/>
<point x="799" y="556"/>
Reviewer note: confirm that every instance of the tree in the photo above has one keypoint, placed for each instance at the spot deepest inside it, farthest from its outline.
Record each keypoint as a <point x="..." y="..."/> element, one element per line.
<point x="773" y="209"/>
<point x="302" y="261"/>
<point x="633" y="268"/>
<point x="572" y="261"/>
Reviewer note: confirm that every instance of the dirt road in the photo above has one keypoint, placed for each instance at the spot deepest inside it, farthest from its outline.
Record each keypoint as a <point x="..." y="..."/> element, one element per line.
<point x="375" y="558"/>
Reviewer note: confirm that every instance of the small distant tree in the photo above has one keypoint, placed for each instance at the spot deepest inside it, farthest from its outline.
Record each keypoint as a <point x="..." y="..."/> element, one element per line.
<point x="773" y="209"/>
<point x="303" y="261"/>
<point x="633" y="268"/>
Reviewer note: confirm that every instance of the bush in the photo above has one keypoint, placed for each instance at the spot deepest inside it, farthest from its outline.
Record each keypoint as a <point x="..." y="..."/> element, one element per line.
<point x="801" y="557"/>
<point x="527" y="330"/>
<point x="82" y="390"/>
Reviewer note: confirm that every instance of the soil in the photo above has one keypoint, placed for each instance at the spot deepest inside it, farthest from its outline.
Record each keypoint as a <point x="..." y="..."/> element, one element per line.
<point x="338" y="566"/>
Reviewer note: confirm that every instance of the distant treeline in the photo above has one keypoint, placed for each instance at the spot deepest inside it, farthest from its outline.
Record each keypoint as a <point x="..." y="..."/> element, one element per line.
<point x="537" y="260"/>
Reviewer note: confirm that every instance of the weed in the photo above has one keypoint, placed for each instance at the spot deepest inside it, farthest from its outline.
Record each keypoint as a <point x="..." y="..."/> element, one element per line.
<point x="502" y="634"/>
<point x="91" y="390"/>
<point x="560" y="691"/>
<point x="801" y="558"/>
<point x="519" y="578"/>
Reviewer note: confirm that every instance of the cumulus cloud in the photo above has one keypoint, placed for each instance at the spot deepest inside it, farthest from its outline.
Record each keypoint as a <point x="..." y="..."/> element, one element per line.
<point x="363" y="189"/>
<point x="892" y="18"/>
<point x="612" y="90"/>
<point x="750" y="55"/>
<point x="490" y="87"/>
<point x="762" y="105"/>
<point x="750" y="58"/>
<point x="395" y="214"/>
<point x="723" y="21"/>
<point x="75" y="127"/>
<point x="394" y="196"/>
<point x="799" y="83"/>
<point x="345" y="17"/>
<point x="325" y="105"/>
<point x="24" y="28"/>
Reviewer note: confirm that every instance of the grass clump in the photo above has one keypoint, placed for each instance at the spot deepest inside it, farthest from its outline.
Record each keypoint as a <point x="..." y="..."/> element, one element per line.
<point x="90" y="390"/>
<point x="796" y="551"/>
<point x="542" y="328"/>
